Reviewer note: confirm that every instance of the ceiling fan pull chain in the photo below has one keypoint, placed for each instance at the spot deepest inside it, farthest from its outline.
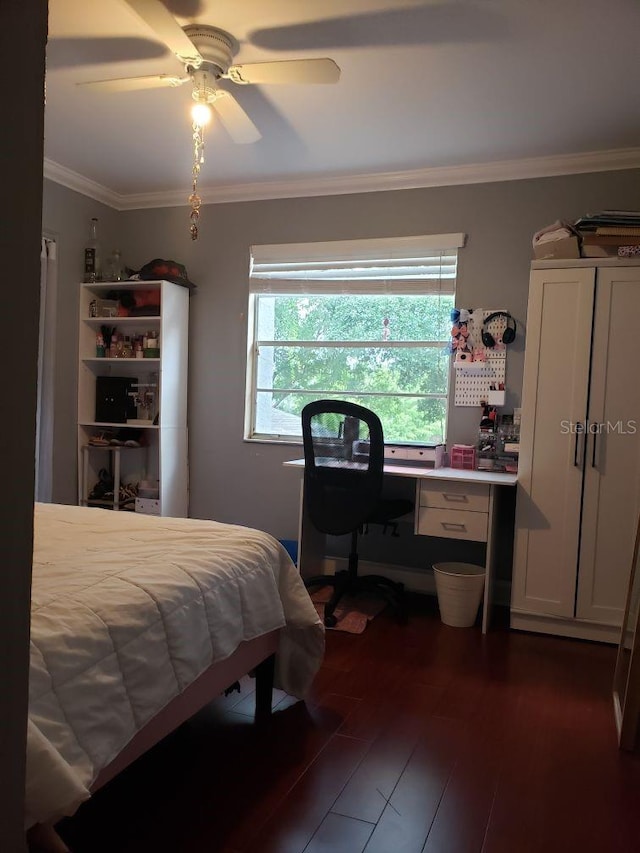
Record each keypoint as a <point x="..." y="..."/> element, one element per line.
<point x="198" y="158"/>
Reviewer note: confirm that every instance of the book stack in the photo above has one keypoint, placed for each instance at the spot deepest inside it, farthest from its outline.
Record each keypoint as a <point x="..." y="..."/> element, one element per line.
<point x="611" y="233"/>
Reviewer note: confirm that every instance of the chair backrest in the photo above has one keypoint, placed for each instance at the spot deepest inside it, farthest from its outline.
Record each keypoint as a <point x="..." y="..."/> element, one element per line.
<point x="343" y="464"/>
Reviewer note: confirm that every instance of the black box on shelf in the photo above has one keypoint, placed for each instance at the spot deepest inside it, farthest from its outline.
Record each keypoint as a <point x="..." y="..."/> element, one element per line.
<point x="114" y="402"/>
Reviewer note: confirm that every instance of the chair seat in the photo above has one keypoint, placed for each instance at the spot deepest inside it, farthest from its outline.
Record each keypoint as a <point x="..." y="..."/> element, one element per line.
<point x="389" y="509"/>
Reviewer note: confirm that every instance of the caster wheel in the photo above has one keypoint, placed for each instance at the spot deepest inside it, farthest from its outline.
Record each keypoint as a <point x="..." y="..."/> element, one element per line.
<point x="330" y="621"/>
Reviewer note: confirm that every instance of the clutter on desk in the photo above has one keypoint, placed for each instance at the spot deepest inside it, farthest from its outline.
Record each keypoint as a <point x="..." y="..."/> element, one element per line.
<point x="498" y="442"/>
<point x="479" y="341"/>
<point x="410" y="453"/>
<point x="463" y="456"/>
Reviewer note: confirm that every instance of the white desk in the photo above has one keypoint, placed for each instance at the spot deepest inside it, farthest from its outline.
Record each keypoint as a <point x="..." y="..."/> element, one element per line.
<point x="449" y="503"/>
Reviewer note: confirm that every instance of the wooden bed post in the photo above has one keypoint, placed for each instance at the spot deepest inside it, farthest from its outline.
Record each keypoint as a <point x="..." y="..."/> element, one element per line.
<point x="264" y="688"/>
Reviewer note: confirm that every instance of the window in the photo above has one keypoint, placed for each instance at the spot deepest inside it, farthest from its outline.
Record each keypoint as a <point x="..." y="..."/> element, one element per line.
<point x="360" y="320"/>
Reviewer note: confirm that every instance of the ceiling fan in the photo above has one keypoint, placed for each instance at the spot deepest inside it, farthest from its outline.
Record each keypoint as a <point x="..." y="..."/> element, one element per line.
<point x="207" y="55"/>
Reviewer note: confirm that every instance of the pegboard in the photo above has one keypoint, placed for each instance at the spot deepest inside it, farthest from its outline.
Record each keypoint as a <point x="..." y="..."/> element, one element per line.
<point x="496" y="327"/>
<point x="472" y="381"/>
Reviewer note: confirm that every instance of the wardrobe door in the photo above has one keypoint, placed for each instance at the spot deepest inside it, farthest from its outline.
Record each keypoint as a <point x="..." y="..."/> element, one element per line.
<point x="550" y="471"/>
<point x="612" y="466"/>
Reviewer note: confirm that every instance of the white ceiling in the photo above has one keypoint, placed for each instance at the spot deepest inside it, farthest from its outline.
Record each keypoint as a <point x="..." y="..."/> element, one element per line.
<point x="423" y="85"/>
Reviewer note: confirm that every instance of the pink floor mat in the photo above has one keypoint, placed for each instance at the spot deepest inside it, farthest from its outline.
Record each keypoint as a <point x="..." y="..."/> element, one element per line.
<point x="353" y="613"/>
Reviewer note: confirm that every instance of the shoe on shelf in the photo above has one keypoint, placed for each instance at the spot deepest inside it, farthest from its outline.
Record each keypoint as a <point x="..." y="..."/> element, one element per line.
<point x="99" y="441"/>
<point x="103" y="489"/>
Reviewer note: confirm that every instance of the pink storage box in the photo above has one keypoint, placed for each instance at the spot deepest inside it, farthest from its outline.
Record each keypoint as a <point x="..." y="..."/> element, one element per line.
<point x="463" y="456"/>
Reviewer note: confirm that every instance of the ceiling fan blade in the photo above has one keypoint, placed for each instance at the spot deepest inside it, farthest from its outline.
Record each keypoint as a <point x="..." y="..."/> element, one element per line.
<point x="236" y="121"/>
<point x="168" y="30"/>
<point x="286" y="71"/>
<point x="130" y="84"/>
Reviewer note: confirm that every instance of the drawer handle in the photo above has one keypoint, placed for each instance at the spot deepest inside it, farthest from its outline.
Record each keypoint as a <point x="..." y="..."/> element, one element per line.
<point x="450" y="525"/>
<point x="460" y="499"/>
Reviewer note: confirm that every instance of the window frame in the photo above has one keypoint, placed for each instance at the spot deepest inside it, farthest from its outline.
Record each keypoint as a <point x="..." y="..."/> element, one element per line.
<point x="291" y="261"/>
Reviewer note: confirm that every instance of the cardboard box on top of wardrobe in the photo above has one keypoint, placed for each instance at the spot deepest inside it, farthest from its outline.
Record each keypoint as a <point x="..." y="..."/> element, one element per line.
<point x="566" y="249"/>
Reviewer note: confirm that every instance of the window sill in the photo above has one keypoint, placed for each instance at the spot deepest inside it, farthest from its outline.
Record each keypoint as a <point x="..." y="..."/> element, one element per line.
<point x="291" y="441"/>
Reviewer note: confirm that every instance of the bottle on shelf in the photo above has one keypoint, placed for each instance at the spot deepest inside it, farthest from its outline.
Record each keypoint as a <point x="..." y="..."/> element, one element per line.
<point x="92" y="260"/>
<point x="151" y="346"/>
<point x="113" y="267"/>
<point x="115" y="346"/>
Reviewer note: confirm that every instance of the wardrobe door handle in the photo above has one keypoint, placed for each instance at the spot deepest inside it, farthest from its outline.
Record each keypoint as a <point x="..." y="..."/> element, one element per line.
<point x="593" y="451"/>
<point x="575" y="446"/>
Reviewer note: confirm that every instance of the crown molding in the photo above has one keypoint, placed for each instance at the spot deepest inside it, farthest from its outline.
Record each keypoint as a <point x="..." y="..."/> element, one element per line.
<point x="439" y="176"/>
<point x="85" y="186"/>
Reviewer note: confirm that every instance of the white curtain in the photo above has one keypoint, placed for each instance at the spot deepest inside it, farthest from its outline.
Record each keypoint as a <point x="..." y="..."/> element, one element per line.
<point x="46" y="363"/>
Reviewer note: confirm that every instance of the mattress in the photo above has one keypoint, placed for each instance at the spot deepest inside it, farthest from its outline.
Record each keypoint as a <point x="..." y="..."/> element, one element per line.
<point x="127" y="610"/>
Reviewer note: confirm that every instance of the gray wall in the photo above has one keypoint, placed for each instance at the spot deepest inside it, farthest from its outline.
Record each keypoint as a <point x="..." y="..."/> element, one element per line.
<point x="236" y="481"/>
<point x="66" y="216"/>
<point x="21" y="181"/>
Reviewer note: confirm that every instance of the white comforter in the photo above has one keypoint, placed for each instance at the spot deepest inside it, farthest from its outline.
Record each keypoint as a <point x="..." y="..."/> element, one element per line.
<point x="127" y="610"/>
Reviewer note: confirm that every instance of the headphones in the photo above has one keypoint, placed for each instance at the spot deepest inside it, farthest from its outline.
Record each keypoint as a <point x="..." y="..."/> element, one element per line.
<point x="509" y="334"/>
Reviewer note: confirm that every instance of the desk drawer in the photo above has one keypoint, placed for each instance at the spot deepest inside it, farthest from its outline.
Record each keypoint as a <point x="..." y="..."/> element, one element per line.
<point x="453" y="524"/>
<point x="461" y="496"/>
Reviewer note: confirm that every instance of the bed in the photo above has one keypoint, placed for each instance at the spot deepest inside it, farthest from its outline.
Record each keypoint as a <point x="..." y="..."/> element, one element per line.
<point x="137" y="621"/>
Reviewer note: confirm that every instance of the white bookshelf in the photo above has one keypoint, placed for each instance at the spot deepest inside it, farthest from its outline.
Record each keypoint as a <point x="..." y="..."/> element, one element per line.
<point x="162" y="455"/>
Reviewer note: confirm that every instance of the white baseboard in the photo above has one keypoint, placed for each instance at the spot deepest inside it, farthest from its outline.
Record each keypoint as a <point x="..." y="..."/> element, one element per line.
<point x="579" y="629"/>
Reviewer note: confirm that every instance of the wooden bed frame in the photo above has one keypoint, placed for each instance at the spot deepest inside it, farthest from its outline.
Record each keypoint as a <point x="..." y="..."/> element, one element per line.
<point x="257" y="654"/>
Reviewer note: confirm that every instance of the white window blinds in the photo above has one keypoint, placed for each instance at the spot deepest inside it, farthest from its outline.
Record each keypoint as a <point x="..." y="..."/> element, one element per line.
<point x="416" y="265"/>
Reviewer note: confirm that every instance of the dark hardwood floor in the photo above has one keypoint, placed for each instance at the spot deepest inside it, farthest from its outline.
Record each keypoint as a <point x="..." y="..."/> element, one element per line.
<point x="415" y="738"/>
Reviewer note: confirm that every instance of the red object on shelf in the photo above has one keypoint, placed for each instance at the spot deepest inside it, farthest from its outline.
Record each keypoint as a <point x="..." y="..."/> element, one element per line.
<point x="463" y="456"/>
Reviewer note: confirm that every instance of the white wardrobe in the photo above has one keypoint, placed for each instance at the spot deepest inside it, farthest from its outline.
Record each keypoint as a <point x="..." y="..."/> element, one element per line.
<point x="579" y="473"/>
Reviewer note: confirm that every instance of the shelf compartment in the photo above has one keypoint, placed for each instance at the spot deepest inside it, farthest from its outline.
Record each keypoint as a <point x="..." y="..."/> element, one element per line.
<point x="110" y="447"/>
<point x="104" y="360"/>
<point x="100" y="287"/>
<point x="128" y="506"/>
<point x="151" y="319"/>
<point x="104" y="425"/>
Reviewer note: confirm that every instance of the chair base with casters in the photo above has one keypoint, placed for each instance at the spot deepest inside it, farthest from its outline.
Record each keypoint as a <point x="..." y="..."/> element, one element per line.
<point x="348" y="582"/>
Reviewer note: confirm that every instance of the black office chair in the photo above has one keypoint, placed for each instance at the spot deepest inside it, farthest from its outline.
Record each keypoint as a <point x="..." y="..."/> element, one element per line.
<point x="343" y="470"/>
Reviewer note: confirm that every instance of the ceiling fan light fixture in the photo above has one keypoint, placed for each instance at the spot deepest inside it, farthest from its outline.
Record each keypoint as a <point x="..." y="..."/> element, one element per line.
<point x="201" y="114"/>
<point x="205" y="89"/>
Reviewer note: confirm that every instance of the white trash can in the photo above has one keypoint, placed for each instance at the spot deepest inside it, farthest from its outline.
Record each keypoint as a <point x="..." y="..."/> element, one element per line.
<point x="459" y="587"/>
